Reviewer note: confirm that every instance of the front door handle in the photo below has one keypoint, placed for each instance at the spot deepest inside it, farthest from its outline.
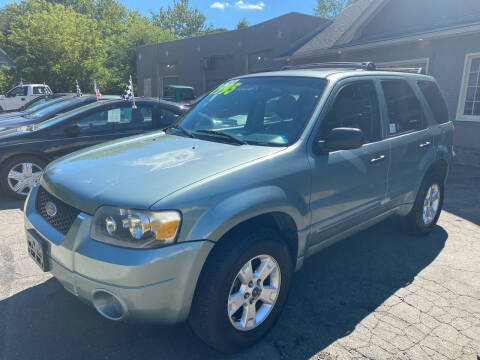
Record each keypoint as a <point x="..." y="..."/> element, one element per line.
<point x="425" y="144"/>
<point x="377" y="159"/>
<point x="23" y="99"/>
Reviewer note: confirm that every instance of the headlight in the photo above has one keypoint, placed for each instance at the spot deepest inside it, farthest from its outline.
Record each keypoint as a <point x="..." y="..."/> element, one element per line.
<point x="135" y="228"/>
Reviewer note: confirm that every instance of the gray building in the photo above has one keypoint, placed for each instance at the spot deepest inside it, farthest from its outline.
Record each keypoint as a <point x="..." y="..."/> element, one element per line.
<point x="205" y="61"/>
<point x="443" y="36"/>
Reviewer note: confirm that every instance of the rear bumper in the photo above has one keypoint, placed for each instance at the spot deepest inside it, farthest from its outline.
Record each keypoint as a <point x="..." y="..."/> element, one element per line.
<point x="151" y="285"/>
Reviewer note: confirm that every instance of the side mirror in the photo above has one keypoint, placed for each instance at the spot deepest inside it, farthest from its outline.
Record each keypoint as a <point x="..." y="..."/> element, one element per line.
<point x="340" y="139"/>
<point x="73" y="130"/>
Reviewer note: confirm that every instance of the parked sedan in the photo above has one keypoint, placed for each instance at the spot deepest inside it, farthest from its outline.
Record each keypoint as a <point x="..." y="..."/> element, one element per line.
<point x="25" y="151"/>
<point x="66" y="104"/>
<point x="32" y="105"/>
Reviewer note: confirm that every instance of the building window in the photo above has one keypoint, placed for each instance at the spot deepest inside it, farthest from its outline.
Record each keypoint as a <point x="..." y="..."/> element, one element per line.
<point x="147" y="87"/>
<point x="412" y="63"/>
<point x="469" y="104"/>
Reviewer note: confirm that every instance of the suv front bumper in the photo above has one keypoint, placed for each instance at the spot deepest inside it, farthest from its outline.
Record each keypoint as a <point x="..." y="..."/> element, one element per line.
<point x="150" y="285"/>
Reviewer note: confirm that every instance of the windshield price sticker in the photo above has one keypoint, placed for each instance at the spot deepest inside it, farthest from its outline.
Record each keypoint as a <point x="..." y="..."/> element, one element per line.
<point x="226" y="88"/>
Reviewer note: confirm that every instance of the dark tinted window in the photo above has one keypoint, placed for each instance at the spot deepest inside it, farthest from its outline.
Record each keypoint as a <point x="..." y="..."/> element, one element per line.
<point x="356" y="106"/>
<point x="435" y="100"/>
<point x="163" y="117"/>
<point x="404" y="110"/>
<point x="18" y="91"/>
<point x="97" y="122"/>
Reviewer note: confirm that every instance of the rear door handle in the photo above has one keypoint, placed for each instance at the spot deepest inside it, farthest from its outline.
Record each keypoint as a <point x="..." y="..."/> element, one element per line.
<point x="425" y="144"/>
<point x="377" y="159"/>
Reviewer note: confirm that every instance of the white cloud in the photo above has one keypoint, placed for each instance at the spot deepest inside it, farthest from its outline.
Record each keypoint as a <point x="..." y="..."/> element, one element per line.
<point x="247" y="6"/>
<point x="220" y="5"/>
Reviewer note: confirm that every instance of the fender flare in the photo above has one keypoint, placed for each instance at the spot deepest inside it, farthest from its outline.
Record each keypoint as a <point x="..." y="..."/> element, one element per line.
<point x="243" y="206"/>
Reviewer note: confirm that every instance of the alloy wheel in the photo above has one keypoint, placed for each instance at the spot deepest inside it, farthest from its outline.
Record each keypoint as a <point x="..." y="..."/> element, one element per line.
<point x="23" y="176"/>
<point x="254" y="292"/>
<point x="431" y="204"/>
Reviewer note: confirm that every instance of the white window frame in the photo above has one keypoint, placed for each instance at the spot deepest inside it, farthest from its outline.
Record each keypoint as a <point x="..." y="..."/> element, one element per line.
<point x="406" y="63"/>
<point x="463" y="89"/>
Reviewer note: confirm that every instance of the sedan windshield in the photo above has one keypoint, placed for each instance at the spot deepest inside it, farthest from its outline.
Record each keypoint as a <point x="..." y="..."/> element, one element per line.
<point x="42" y="103"/>
<point x="52" y="109"/>
<point x="270" y="111"/>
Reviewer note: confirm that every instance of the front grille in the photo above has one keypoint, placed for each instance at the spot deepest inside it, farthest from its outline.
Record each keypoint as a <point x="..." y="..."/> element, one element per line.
<point x="61" y="219"/>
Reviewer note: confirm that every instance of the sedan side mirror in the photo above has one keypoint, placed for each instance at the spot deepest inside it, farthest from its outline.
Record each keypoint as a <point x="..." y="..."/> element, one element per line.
<point x="340" y="139"/>
<point x="73" y="130"/>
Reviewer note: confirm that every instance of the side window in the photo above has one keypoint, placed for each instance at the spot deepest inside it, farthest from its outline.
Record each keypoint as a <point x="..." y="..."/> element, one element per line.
<point x="39" y="90"/>
<point x="94" y="123"/>
<point x="18" y="91"/>
<point x="435" y="100"/>
<point x="355" y="106"/>
<point x="404" y="110"/>
<point x="126" y="118"/>
<point x="163" y="117"/>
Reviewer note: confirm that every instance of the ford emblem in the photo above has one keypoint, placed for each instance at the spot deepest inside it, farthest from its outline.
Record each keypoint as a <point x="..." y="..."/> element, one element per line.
<point x="51" y="209"/>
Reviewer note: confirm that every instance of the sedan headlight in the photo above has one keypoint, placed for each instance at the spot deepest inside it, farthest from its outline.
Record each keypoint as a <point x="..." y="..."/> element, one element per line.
<point x="135" y="228"/>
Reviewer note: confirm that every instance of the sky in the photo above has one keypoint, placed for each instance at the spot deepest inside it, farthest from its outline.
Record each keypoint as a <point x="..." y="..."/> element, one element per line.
<point x="227" y="13"/>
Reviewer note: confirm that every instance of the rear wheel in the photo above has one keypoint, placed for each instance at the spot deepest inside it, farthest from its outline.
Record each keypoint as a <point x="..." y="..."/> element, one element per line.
<point x="242" y="290"/>
<point x="19" y="174"/>
<point x="427" y="207"/>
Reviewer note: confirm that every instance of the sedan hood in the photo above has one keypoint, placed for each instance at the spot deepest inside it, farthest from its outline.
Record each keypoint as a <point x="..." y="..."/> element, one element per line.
<point x="10" y="115"/>
<point x="15" y="122"/>
<point x="137" y="172"/>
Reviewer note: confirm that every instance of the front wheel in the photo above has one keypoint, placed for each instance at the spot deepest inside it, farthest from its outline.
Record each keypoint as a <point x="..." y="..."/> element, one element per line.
<point x="18" y="175"/>
<point x="242" y="290"/>
<point x="427" y="207"/>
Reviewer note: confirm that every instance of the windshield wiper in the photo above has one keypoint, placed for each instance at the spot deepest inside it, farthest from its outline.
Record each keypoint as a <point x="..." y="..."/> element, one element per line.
<point x="182" y="129"/>
<point x="221" y="133"/>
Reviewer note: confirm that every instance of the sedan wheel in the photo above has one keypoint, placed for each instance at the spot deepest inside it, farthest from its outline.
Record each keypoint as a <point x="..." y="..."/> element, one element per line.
<point x="23" y="176"/>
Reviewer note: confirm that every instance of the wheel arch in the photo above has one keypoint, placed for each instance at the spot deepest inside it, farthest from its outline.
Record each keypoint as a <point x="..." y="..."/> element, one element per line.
<point x="16" y="154"/>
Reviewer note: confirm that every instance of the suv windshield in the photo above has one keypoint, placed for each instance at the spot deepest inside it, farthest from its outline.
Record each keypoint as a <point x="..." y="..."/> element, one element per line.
<point x="270" y="111"/>
<point x="52" y="109"/>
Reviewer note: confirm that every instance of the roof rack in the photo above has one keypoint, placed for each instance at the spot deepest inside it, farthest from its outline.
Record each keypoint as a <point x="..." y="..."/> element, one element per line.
<point x="334" y="65"/>
<point x="366" y="65"/>
<point x="419" y="70"/>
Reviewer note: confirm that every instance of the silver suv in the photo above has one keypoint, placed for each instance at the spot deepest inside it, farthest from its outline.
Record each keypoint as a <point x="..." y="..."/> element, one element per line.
<point x="207" y="220"/>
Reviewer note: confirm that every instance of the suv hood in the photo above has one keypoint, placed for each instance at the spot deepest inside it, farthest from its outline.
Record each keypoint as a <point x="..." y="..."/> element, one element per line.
<point x="137" y="172"/>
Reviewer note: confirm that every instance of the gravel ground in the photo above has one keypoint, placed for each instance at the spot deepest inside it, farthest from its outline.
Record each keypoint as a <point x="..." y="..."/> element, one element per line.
<point x="379" y="294"/>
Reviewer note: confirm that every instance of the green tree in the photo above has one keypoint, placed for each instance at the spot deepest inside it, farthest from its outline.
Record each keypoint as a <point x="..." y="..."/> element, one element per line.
<point x="59" y="41"/>
<point x="122" y="59"/>
<point x="242" y="24"/>
<point x="331" y="8"/>
<point x="8" y="79"/>
<point x="56" y="45"/>
<point x="181" y="19"/>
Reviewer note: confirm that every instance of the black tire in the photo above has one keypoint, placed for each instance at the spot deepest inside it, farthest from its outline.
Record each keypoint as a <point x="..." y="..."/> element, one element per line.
<point x="414" y="221"/>
<point x="9" y="164"/>
<point x="208" y="316"/>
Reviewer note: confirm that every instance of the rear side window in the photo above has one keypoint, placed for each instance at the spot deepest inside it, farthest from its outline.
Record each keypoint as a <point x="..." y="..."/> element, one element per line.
<point x="435" y="100"/>
<point x="405" y="113"/>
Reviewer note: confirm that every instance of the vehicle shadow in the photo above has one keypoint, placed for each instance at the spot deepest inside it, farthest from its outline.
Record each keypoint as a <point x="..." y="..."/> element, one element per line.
<point x="334" y="291"/>
<point x="8" y="204"/>
<point x="462" y="196"/>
